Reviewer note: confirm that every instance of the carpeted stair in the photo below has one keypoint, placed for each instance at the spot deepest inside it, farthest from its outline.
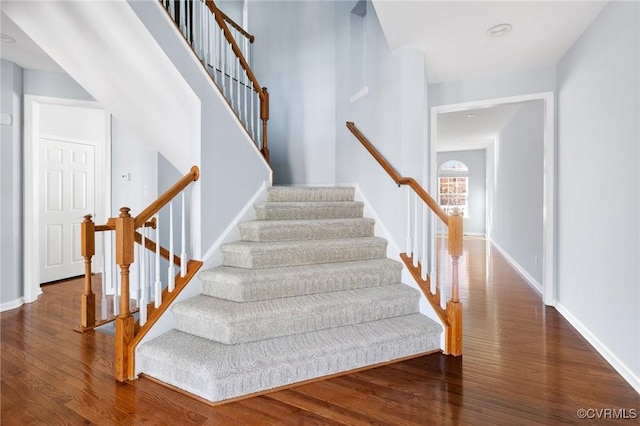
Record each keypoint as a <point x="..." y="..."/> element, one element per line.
<point x="307" y="293"/>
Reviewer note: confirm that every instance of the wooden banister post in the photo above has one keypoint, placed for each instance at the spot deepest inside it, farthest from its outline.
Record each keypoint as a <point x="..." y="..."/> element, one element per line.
<point x="264" y="116"/>
<point x="88" y="249"/>
<point x="125" y="237"/>
<point x="454" y="307"/>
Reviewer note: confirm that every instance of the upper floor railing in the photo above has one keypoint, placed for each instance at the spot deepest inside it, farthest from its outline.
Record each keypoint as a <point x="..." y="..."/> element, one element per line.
<point x="224" y="48"/>
<point x="152" y="295"/>
<point x="442" y="291"/>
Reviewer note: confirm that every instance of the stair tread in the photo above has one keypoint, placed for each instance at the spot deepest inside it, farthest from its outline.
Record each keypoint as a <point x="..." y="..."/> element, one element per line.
<point x="240" y="284"/>
<point x="309" y="193"/>
<point x="216" y="371"/>
<point x="305" y="229"/>
<point x="250" y="254"/>
<point x="231" y="322"/>
<point x="291" y="210"/>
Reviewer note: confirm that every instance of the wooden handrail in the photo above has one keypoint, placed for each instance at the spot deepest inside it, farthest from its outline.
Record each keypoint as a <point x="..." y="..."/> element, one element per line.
<point x="155" y="207"/>
<point x="237" y="27"/>
<point x="218" y="15"/>
<point x="397" y="178"/>
<point x="451" y="317"/>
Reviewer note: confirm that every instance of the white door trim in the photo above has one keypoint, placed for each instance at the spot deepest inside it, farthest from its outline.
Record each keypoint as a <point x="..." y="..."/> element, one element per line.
<point x="31" y="254"/>
<point x="549" y="186"/>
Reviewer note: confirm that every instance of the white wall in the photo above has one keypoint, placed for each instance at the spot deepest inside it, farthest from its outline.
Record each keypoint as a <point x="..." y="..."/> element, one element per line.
<point x="294" y="57"/>
<point x="11" y="187"/>
<point x="231" y="167"/>
<point x="515" y="188"/>
<point x="392" y="115"/>
<point x="599" y="186"/>
<point x="475" y="160"/>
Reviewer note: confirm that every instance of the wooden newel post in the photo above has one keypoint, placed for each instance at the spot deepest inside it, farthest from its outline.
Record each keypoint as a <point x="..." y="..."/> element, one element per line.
<point x="125" y="237"/>
<point x="88" y="249"/>
<point x="454" y="307"/>
<point x="264" y="116"/>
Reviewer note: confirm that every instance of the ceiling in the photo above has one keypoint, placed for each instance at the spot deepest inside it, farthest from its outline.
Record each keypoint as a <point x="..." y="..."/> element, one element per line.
<point x="23" y="52"/>
<point x="453" y="34"/>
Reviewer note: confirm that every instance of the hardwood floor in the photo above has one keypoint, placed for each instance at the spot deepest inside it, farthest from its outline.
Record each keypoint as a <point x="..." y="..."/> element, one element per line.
<point x="522" y="364"/>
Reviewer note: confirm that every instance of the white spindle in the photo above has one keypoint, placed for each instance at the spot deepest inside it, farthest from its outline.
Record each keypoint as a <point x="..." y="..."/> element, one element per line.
<point x="252" y="96"/>
<point x="223" y="58"/>
<point x="414" y="252"/>
<point x="158" y="282"/>
<point x="246" y="102"/>
<point x="103" y="298"/>
<point x="183" y="17"/>
<point x="408" y="241"/>
<point x="116" y="283"/>
<point x="444" y="259"/>
<point x="143" y="278"/>
<point x="171" y="273"/>
<point x="424" y="243"/>
<point x="183" y="249"/>
<point x="434" y="252"/>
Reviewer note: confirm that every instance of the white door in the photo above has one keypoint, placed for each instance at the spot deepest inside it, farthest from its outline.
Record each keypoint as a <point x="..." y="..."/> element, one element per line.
<point x="67" y="182"/>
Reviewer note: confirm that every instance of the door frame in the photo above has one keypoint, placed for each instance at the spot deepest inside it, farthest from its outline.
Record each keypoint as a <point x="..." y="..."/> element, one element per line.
<point x="31" y="184"/>
<point x="549" y="173"/>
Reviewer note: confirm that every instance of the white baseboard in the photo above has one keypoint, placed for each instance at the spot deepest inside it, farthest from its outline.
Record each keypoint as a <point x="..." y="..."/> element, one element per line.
<point x="523" y="273"/>
<point x="7" y="306"/>
<point x="626" y="373"/>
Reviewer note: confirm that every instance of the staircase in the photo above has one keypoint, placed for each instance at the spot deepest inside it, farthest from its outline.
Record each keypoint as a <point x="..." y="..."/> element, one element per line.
<point x="308" y="292"/>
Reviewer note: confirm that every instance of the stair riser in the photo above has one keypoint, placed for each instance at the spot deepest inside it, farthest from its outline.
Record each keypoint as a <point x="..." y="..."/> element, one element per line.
<point x="275" y="211"/>
<point x="222" y="331"/>
<point x="286" y="256"/>
<point x="247" y="290"/>
<point x="308" y="232"/>
<point x="217" y="374"/>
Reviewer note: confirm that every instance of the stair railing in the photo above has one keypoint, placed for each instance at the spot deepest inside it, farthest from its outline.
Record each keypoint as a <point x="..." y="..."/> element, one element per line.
<point x="444" y="299"/>
<point x="153" y="297"/>
<point x="225" y="54"/>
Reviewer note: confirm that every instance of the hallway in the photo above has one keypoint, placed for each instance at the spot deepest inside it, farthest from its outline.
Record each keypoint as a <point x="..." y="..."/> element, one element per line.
<point x="522" y="364"/>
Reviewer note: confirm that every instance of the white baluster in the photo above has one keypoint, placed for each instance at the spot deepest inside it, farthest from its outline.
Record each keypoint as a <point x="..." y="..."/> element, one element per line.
<point x="183" y="17"/>
<point x="116" y="284"/>
<point x="238" y="104"/>
<point x="223" y="57"/>
<point x="252" y="96"/>
<point x="424" y="264"/>
<point x="408" y="241"/>
<point x="246" y="87"/>
<point x="183" y="250"/>
<point x="434" y="252"/>
<point x="103" y="298"/>
<point x="143" y="278"/>
<point x="172" y="9"/>
<point x="158" y="282"/>
<point x="444" y="259"/>
<point x="172" y="269"/>
<point x="414" y="252"/>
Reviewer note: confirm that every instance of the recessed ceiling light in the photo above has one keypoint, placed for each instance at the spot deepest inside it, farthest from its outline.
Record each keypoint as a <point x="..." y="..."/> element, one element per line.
<point x="7" y="38"/>
<point x="499" y="30"/>
<point x="471" y="115"/>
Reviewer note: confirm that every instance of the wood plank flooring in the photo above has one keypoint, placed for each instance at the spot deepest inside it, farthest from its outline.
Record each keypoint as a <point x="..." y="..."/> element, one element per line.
<point x="522" y="364"/>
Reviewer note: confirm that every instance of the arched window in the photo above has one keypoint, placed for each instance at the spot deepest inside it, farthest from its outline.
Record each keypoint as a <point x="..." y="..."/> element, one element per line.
<point x="453" y="186"/>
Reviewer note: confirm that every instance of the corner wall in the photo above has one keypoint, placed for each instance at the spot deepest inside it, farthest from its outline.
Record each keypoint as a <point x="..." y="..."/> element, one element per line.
<point x="11" y="292"/>
<point x="599" y="186"/>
